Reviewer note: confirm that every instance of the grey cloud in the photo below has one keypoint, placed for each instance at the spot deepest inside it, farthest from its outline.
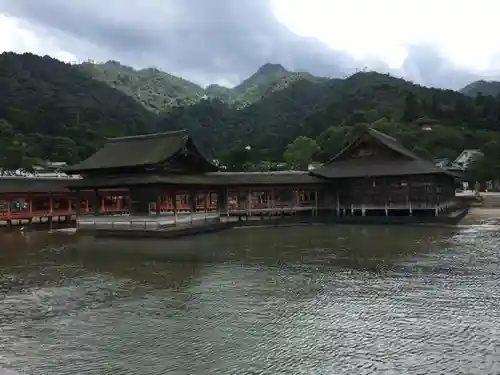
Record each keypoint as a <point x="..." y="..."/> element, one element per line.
<point x="425" y="64"/>
<point x="205" y="40"/>
<point x="210" y="39"/>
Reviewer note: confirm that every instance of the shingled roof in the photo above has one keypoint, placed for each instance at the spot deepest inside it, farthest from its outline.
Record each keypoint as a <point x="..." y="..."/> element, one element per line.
<point x="407" y="164"/>
<point x="207" y="179"/>
<point x="138" y="151"/>
<point x="34" y="185"/>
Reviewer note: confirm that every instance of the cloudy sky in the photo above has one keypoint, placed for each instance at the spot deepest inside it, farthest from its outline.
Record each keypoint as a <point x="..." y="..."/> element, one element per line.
<point x="441" y="43"/>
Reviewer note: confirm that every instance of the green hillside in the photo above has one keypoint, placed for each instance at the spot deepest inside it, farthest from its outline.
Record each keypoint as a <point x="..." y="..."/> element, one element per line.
<point x="154" y="89"/>
<point x="159" y="91"/>
<point x="327" y="111"/>
<point x="482" y="87"/>
<point x="51" y="110"/>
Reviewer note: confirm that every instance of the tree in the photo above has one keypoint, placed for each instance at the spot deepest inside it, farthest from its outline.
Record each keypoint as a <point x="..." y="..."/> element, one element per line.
<point x="299" y="154"/>
<point x="423" y="153"/>
<point x="411" y="108"/>
<point x="237" y="158"/>
<point x="386" y="126"/>
<point x="332" y="141"/>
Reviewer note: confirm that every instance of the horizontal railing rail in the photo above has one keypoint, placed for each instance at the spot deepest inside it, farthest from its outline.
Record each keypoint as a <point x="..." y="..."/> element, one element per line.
<point x="145" y="223"/>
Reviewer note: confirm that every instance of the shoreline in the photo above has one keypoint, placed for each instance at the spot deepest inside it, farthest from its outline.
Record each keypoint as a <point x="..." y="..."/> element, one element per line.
<point x="475" y="215"/>
<point x="480" y="214"/>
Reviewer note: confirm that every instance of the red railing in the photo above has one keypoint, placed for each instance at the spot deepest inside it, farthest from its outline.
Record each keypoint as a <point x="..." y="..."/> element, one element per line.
<point x="169" y="207"/>
<point x="118" y="204"/>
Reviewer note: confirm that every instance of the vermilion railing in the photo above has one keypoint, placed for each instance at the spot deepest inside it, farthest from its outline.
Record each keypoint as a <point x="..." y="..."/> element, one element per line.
<point x="119" y="205"/>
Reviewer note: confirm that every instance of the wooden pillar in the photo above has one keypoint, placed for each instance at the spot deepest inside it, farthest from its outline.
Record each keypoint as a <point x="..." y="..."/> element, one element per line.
<point x="249" y="202"/>
<point x="78" y="204"/>
<point x="174" y="204"/>
<point x="273" y="199"/>
<point x="192" y="195"/>
<point x="316" y="202"/>
<point x="408" y="195"/>
<point x="9" y="207"/>
<point x="205" y="206"/>
<point x="222" y="200"/>
<point x="158" y="203"/>
<point x="338" y="202"/>
<point x="96" y="203"/>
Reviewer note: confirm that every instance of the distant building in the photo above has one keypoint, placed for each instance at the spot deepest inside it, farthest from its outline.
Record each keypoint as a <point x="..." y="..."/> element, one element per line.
<point x="461" y="163"/>
<point x="50" y="169"/>
<point x="467" y="157"/>
<point x="313" y="166"/>
<point x="442" y="162"/>
<point x="426" y="123"/>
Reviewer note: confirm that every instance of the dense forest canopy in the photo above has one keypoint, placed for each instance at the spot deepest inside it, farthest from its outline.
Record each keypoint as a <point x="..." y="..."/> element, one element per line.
<point x="159" y="91"/>
<point x="51" y="110"/>
<point x="482" y="87"/>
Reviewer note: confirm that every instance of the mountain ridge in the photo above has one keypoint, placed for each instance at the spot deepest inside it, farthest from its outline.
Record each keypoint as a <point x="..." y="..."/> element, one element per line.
<point x="159" y="91"/>
<point x="482" y="87"/>
<point x="61" y="112"/>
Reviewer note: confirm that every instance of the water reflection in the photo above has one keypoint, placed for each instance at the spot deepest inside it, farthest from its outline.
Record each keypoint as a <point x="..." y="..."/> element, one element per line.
<point x="312" y="300"/>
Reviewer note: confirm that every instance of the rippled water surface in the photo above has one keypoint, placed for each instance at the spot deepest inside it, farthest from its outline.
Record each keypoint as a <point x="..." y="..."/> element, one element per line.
<point x="302" y="300"/>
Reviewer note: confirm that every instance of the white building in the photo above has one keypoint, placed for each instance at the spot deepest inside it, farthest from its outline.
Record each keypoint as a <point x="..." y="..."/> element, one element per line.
<point x="467" y="157"/>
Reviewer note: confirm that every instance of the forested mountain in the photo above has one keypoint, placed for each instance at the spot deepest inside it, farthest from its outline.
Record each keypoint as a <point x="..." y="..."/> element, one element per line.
<point x="326" y="112"/>
<point x="160" y="91"/>
<point x="154" y="89"/>
<point x="50" y="110"/>
<point x="482" y="87"/>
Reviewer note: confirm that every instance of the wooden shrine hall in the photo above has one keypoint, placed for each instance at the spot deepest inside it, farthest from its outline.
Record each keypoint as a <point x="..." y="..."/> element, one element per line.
<point x="166" y="173"/>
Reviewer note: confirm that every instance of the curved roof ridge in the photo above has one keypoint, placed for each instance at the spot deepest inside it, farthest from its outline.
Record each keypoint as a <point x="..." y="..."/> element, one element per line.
<point x="378" y="132"/>
<point x="148" y="136"/>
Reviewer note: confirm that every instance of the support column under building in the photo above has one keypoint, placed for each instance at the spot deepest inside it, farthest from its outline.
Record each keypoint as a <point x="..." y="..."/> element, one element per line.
<point x="139" y="202"/>
<point x="222" y="201"/>
<point x="192" y="195"/>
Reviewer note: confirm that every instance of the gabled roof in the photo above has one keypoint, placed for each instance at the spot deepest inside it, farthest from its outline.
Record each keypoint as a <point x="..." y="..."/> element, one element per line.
<point x="138" y="151"/>
<point x="408" y="163"/>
